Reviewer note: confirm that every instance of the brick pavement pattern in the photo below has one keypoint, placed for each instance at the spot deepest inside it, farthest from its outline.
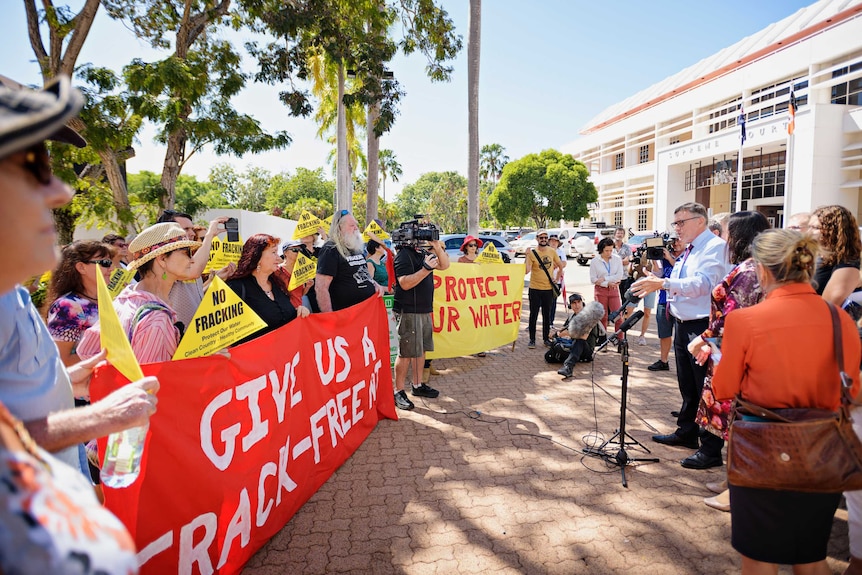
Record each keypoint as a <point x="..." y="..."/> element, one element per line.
<point x="491" y="478"/>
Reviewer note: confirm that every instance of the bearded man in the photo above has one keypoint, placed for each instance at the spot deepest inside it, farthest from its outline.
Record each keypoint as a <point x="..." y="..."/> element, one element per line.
<point x="342" y="272"/>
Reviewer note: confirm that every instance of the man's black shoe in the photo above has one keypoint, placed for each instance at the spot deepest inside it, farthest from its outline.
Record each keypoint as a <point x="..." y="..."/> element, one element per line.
<point x="532" y="344"/>
<point x="402" y="401"/>
<point x="674" y="414"/>
<point x="565" y="371"/>
<point x="425" y="391"/>
<point x="659" y="366"/>
<point x="548" y="343"/>
<point x="676" y="440"/>
<point x="701" y="461"/>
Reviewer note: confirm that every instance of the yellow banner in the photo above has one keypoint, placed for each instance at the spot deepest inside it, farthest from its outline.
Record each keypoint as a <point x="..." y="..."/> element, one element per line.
<point x="221" y="319"/>
<point x="303" y="270"/>
<point x="307" y="224"/>
<point x="375" y="229"/>
<point x="490" y="255"/>
<point x="222" y="253"/>
<point x="119" y="279"/>
<point x="113" y="335"/>
<point x="476" y="308"/>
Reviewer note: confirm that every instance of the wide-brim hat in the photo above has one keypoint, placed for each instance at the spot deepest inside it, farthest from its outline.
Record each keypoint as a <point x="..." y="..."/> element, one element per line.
<point x="28" y="117"/>
<point x="291" y="244"/>
<point x="469" y="239"/>
<point x="156" y="240"/>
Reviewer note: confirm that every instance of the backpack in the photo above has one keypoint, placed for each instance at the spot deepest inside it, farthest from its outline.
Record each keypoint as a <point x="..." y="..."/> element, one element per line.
<point x="559" y="351"/>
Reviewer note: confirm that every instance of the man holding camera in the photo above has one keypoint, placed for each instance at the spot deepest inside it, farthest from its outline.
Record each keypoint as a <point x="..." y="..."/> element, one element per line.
<point x="414" y="299"/>
<point x="700" y="268"/>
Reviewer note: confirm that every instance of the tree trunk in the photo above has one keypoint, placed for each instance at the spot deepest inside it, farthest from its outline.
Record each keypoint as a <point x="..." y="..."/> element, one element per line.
<point x="172" y="166"/>
<point x="343" y="192"/>
<point x="473" y="50"/>
<point x="119" y="190"/>
<point x="373" y="150"/>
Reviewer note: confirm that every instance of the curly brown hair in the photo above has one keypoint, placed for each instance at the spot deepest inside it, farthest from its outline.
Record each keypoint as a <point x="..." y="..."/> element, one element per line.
<point x="839" y="235"/>
<point x="252" y="249"/>
<point x="65" y="278"/>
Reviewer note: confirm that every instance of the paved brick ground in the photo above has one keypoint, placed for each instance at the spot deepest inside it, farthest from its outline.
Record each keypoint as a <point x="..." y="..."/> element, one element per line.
<point x="490" y="478"/>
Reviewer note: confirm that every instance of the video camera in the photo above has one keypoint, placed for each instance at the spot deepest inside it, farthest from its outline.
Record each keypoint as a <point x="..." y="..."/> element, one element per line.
<point x="653" y="248"/>
<point x="412" y="233"/>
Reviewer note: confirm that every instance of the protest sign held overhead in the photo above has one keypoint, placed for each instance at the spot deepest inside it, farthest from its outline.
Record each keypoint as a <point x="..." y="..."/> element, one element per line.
<point x="114" y="338"/>
<point x="222" y="253"/>
<point x="222" y="319"/>
<point x="375" y="229"/>
<point x="119" y="279"/>
<point x="304" y="269"/>
<point x="307" y="225"/>
<point x="490" y="255"/>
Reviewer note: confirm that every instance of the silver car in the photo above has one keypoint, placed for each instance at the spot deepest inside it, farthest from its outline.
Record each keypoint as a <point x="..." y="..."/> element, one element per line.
<point x="453" y="245"/>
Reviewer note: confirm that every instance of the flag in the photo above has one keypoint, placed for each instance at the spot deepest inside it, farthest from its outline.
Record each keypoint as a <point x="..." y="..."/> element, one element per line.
<point x="791" y="109"/>
<point x="741" y="121"/>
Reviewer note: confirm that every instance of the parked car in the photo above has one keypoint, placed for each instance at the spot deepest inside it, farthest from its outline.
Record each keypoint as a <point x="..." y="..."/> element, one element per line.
<point x="516" y="234"/>
<point x="453" y="245"/>
<point x="584" y="245"/>
<point x="524" y="243"/>
<point x="566" y="235"/>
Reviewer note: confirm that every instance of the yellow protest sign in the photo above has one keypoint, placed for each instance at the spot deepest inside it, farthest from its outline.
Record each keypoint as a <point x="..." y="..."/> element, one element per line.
<point x="45" y="278"/>
<point x="303" y="270"/>
<point x="308" y="224"/>
<point x="119" y="279"/>
<point x="375" y="229"/>
<point x="222" y="253"/>
<point x="113" y="335"/>
<point x="476" y="308"/>
<point x="328" y="221"/>
<point x="490" y="255"/>
<point x="221" y="319"/>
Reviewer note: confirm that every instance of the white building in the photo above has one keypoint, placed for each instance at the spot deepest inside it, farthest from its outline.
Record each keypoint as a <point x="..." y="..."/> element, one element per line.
<point x="679" y="140"/>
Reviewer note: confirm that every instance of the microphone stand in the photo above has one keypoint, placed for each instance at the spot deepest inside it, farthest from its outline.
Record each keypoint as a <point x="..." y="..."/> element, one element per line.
<point x="621" y="436"/>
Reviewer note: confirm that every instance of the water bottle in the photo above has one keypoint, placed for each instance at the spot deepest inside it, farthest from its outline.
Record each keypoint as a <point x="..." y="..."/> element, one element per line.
<point x="123" y="454"/>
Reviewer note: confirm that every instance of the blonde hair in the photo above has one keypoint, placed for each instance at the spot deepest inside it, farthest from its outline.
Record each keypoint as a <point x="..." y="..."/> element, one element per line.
<point x="787" y="254"/>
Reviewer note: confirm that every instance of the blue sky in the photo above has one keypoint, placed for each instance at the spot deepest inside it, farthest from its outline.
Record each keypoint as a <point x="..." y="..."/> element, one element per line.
<point x="548" y="67"/>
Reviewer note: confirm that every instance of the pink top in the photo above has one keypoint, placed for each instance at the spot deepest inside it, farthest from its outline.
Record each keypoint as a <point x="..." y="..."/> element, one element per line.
<point x="154" y="336"/>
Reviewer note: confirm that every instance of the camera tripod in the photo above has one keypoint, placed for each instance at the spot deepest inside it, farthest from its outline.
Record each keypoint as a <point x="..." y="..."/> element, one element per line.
<point x="620" y="437"/>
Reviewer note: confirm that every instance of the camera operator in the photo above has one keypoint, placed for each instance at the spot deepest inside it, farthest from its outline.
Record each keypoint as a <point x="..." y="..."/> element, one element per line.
<point x="414" y="297"/>
<point x="663" y="268"/>
<point x="700" y="268"/>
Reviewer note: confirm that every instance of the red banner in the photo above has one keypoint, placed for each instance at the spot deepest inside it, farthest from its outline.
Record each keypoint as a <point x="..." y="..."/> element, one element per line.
<point x="238" y="445"/>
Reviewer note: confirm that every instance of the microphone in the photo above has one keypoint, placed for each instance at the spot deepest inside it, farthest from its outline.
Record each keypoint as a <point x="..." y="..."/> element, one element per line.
<point x="624" y="327"/>
<point x="628" y="298"/>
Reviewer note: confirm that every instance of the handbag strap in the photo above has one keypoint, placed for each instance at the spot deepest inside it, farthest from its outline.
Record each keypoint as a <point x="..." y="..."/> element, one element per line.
<point x="544" y="269"/>
<point x="844" y="379"/>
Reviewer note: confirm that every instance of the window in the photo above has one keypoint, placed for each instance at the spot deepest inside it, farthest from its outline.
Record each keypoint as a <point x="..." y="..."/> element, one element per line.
<point x="642" y="219"/>
<point x="849" y="93"/>
<point x="642" y="199"/>
<point x="725" y="117"/>
<point x="674" y="140"/>
<point x="643" y="154"/>
<point x="763" y="177"/>
<point x="618" y="161"/>
<point x="618" y="218"/>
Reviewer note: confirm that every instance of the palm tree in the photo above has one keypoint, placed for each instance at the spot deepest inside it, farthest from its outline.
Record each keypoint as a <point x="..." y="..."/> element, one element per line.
<point x="389" y="168"/>
<point x="493" y="160"/>
<point x="473" y="48"/>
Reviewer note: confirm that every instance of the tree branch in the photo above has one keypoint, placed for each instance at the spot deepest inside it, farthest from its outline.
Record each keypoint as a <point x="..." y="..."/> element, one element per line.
<point x="81" y="24"/>
<point x="35" y="36"/>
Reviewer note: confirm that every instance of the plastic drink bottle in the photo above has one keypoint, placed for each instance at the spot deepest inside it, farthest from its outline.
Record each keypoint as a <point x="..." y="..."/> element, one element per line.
<point x="123" y="454"/>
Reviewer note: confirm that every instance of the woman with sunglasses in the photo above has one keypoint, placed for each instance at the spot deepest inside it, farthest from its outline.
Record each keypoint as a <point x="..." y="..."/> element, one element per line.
<point x="74" y="304"/>
<point x="162" y="255"/>
<point x="470" y="248"/>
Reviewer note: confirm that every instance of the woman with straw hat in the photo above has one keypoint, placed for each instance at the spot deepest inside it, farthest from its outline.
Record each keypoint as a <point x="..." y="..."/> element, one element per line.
<point x="162" y="255"/>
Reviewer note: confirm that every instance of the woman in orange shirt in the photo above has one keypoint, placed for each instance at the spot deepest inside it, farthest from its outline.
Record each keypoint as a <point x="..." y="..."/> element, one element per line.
<point x="779" y="354"/>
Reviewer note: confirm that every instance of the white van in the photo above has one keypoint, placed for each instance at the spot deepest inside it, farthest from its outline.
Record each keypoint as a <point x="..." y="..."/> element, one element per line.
<point x="585" y="241"/>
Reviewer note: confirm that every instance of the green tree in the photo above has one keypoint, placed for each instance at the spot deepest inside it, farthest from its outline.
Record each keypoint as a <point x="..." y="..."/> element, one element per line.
<point x="544" y="187"/>
<point x="440" y="196"/>
<point x="188" y="93"/>
<point x="311" y="184"/>
<point x="492" y="161"/>
<point x="389" y="168"/>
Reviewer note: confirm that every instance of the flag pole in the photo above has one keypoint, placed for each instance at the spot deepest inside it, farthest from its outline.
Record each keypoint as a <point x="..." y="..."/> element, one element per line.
<point x="741" y="121"/>
<point x="788" y="160"/>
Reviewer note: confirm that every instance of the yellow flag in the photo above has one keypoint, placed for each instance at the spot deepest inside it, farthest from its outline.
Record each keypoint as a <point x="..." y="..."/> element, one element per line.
<point x="490" y="255"/>
<point x="113" y="335"/>
<point x="308" y="224"/>
<point x="119" y="279"/>
<point x="221" y="319"/>
<point x="222" y="253"/>
<point x="375" y="229"/>
<point x="303" y="270"/>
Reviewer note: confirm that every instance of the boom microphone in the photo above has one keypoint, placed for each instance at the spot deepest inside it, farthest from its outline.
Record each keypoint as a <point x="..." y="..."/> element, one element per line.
<point x="628" y="299"/>
<point x="584" y="322"/>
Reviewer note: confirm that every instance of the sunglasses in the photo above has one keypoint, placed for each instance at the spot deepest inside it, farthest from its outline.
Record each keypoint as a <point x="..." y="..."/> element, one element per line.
<point x="103" y="263"/>
<point x="472" y="245"/>
<point x="120" y="245"/>
<point x="542" y="237"/>
<point x="187" y="251"/>
<point x="38" y="162"/>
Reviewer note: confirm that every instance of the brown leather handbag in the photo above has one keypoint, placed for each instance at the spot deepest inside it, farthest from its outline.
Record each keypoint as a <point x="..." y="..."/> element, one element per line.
<point x="797" y="449"/>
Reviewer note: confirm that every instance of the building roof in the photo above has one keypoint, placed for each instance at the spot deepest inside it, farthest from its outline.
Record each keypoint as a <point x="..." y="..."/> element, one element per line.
<point x="804" y="23"/>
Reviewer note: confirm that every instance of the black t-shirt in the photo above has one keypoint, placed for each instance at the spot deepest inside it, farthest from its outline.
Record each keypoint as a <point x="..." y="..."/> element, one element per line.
<point x="275" y="313"/>
<point x="823" y="273"/>
<point x="420" y="299"/>
<point x="351" y="282"/>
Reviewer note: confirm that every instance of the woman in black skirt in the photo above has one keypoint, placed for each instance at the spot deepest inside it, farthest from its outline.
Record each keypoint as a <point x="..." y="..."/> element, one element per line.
<point x="779" y="354"/>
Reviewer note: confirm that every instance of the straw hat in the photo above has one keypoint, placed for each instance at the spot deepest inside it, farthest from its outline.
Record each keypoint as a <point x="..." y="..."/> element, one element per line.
<point x="157" y="240"/>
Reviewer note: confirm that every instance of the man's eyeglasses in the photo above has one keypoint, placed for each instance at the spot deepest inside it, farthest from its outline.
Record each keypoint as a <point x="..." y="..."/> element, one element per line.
<point x="103" y="263"/>
<point x="38" y="162"/>
<point x="680" y="223"/>
<point x="542" y="238"/>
